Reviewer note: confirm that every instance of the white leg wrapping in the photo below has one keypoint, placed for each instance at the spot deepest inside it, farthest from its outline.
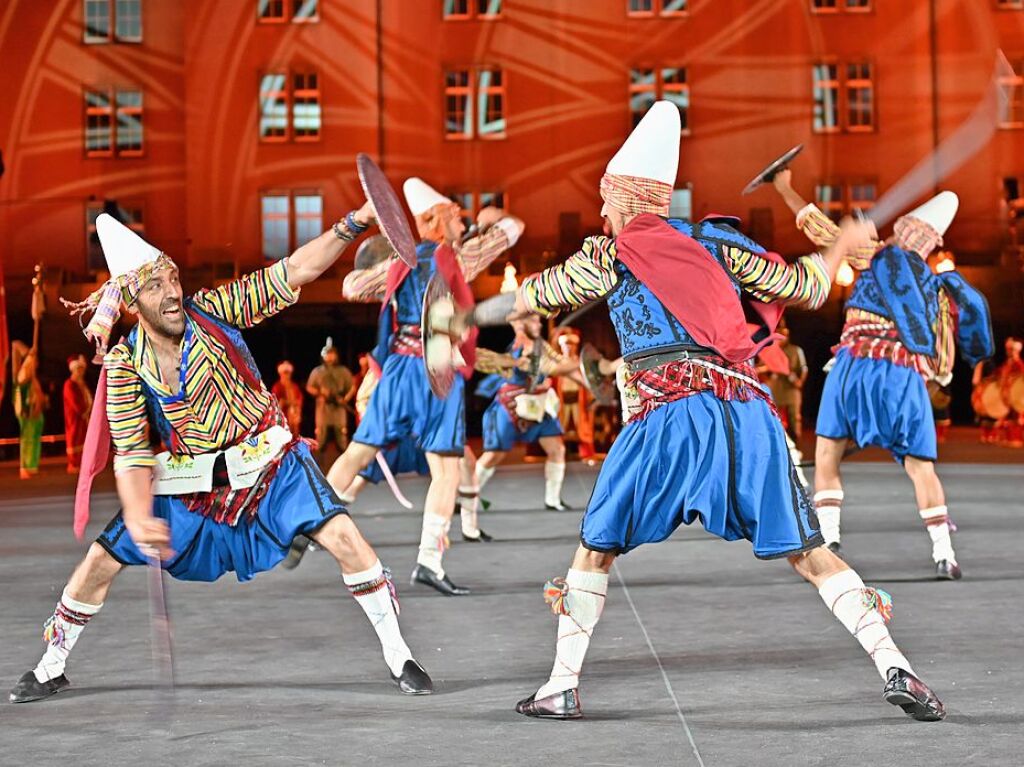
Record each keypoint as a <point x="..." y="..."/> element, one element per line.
<point x="554" y="476"/>
<point x="432" y="543"/>
<point x="584" y="603"/>
<point x="936" y="519"/>
<point x="372" y="590"/>
<point x="852" y="604"/>
<point x="483" y="474"/>
<point x="469" y="500"/>
<point x="61" y="632"/>
<point x="829" y="504"/>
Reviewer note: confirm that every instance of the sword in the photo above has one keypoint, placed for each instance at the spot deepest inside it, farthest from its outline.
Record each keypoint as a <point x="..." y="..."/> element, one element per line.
<point x="392" y="483"/>
<point x="160" y="624"/>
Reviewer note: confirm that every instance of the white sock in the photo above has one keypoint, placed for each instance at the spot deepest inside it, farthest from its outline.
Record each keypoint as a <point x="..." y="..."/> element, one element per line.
<point x="61" y="632"/>
<point x="347" y="499"/>
<point x="828" y="505"/>
<point x="854" y="606"/>
<point x="483" y="474"/>
<point x="469" y="500"/>
<point x="554" y="475"/>
<point x="372" y="589"/>
<point x="937" y="521"/>
<point x="432" y="542"/>
<point x="583" y="605"/>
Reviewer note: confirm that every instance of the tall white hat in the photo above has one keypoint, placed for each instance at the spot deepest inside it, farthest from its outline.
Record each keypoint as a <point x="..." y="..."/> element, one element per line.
<point x="421" y="196"/>
<point x="327" y="347"/>
<point x="652" y="149"/>
<point x="938" y="212"/>
<point x="124" y="250"/>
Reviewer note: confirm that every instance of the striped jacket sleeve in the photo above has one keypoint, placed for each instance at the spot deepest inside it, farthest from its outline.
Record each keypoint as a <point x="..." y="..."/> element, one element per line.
<point x="805" y="282"/>
<point x="366" y="285"/>
<point x="822" y="231"/>
<point x="583" y="277"/>
<point x="477" y="253"/>
<point x="126" y="412"/>
<point x="251" y="299"/>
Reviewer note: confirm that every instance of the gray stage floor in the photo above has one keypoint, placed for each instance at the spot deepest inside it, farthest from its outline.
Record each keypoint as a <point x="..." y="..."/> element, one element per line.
<point x="704" y="655"/>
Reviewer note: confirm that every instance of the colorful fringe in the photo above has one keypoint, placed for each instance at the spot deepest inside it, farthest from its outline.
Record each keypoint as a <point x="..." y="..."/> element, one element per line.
<point x="383" y="581"/>
<point x="877" y="599"/>
<point x="53" y="629"/>
<point x="555" y="592"/>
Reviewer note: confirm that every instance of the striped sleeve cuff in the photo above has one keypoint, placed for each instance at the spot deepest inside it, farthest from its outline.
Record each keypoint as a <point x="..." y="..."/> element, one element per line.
<point x="510" y="228"/>
<point x="134" y="459"/>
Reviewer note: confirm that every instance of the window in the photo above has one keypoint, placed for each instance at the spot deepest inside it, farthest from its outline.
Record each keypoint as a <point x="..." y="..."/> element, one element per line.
<point x="826" y="98"/>
<point x="99" y="124"/>
<point x="649" y="7"/>
<point x="862" y="196"/>
<point x="129" y="123"/>
<point x="860" y="95"/>
<point x="112" y="20"/>
<point x="289" y="220"/>
<point x="682" y="203"/>
<point x="837" y="198"/>
<point x="491" y="104"/>
<point x="280" y="11"/>
<point x="471" y="203"/>
<point x="459" y="85"/>
<point x="649" y="85"/>
<point x="847" y="105"/>
<point x="276" y="226"/>
<point x="128" y="213"/>
<point x="834" y="6"/>
<point x="466" y="9"/>
<point x="306" y="107"/>
<point x="309" y="217"/>
<point x="829" y="198"/>
<point x="1011" y="108"/>
<point x="303" y="103"/>
<point x="113" y="121"/>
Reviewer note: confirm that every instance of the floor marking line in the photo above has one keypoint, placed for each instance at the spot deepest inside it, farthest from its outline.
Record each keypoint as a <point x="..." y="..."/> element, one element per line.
<point x="661" y="668"/>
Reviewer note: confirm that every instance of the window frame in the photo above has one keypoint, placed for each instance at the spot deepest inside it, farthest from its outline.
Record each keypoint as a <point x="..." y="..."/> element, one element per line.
<point x="467" y="94"/>
<point x="282" y="19"/>
<point x="649" y="14"/>
<point x="261" y="102"/>
<point x="293" y="100"/>
<point x="129" y="110"/>
<point x="117" y="16"/>
<point x="658" y="89"/>
<point x="292" y="18"/>
<point x="1014" y="85"/>
<point x="858" y="83"/>
<point x="482" y="96"/>
<point x="97" y="40"/>
<point x="833" y="209"/>
<point x="93" y="110"/>
<point x="834" y="83"/>
<point x="286" y="195"/>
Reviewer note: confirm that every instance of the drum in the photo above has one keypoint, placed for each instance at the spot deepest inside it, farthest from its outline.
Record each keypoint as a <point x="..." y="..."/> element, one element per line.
<point x="1015" y="393"/>
<point x="987" y="400"/>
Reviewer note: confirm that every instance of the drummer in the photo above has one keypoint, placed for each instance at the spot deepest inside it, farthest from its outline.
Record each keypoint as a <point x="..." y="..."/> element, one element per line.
<point x="1011" y="388"/>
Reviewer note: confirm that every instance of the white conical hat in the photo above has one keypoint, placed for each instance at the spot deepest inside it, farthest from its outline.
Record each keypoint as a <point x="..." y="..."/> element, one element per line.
<point x="938" y="212"/>
<point x="421" y="196"/>
<point x="652" y="149"/>
<point x="124" y="250"/>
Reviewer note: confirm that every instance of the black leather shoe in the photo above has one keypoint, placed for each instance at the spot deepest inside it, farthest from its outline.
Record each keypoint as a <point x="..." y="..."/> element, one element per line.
<point x="482" y="538"/>
<point x="29" y="688"/>
<point x="428" y="577"/>
<point x="948" y="571"/>
<point x="414" y="680"/>
<point x="560" y="705"/>
<point x="905" y="690"/>
<point x="835" y="548"/>
<point x="561" y="506"/>
<point x="300" y="545"/>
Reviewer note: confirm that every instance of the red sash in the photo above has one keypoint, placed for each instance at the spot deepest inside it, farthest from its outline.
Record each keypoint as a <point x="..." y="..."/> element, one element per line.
<point x="696" y="289"/>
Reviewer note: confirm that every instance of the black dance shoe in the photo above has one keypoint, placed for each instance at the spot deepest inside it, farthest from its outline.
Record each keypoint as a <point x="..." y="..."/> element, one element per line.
<point x="482" y="538"/>
<point x="414" y="680"/>
<point x="428" y="577"/>
<point x="948" y="571"/>
<point x="300" y="545"/>
<point x="905" y="690"/>
<point x="560" y="705"/>
<point x="29" y="688"/>
<point x="560" y="506"/>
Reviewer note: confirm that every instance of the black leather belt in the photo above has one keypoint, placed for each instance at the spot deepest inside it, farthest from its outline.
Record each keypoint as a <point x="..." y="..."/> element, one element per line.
<point x="651" y="361"/>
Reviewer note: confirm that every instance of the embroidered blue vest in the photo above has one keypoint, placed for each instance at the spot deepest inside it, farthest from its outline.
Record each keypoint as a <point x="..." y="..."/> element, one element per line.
<point x="407" y="301"/>
<point x="900" y="286"/>
<point x="154" y="400"/>
<point x="642" y="323"/>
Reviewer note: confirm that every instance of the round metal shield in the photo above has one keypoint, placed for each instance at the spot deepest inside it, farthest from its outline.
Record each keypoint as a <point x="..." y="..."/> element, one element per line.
<point x="390" y="215"/>
<point x="988" y="401"/>
<point x="774" y="167"/>
<point x="602" y="387"/>
<point x="439" y="349"/>
<point x="372" y="251"/>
